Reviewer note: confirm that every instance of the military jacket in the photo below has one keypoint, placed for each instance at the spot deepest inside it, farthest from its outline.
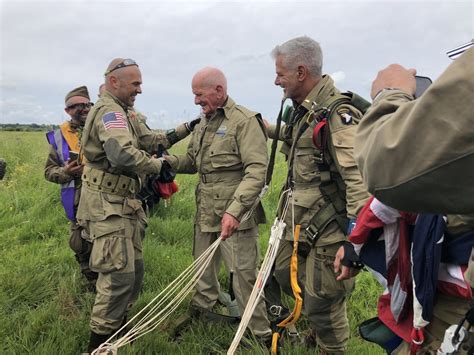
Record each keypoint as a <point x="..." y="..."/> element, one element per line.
<point x="418" y="155"/>
<point x="229" y="152"/>
<point x="115" y="142"/>
<point x="308" y="198"/>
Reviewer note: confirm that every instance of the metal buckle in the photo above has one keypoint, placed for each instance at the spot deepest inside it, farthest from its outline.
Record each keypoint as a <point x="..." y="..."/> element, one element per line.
<point x="275" y="310"/>
<point x="311" y="236"/>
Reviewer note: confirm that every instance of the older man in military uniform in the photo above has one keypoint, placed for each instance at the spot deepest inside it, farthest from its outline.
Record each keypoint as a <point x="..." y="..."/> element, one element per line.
<point x="63" y="168"/>
<point x="228" y="149"/>
<point x="326" y="186"/>
<point x="115" y="145"/>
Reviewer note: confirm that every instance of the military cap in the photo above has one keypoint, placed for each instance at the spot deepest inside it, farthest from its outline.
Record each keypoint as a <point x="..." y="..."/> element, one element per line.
<point x="80" y="91"/>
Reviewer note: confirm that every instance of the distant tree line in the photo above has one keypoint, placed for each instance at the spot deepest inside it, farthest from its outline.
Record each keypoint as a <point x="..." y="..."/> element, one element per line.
<point x="31" y="127"/>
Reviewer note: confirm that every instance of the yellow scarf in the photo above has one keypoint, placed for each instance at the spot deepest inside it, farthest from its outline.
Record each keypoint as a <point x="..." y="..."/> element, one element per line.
<point x="71" y="136"/>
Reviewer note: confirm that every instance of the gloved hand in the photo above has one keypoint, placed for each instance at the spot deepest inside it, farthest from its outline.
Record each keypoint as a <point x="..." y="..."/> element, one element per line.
<point x="191" y="124"/>
<point x="346" y="262"/>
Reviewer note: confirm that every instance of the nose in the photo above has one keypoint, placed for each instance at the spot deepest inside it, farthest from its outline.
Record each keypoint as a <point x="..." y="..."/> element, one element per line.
<point x="277" y="81"/>
<point x="196" y="100"/>
<point x="139" y="89"/>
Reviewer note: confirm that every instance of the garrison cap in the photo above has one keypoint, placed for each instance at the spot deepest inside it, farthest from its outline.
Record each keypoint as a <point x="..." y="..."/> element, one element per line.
<point x="80" y="91"/>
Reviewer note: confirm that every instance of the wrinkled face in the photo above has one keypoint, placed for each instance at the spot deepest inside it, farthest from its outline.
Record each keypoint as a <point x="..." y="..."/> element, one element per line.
<point x="78" y="107"/>
<point x="128" y="84"/>
<point x="208" y="97"/>
<point x="286" y="78"/>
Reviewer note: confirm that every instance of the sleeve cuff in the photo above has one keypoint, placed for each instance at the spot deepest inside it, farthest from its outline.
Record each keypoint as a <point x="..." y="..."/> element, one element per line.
<point x="173" y="161"/>
<point x="391" y="92"/>
<point x="236" y="209"/>
<point x="182" y="132"/>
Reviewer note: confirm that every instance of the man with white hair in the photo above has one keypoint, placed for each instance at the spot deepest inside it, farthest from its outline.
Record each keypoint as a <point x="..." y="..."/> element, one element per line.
<point x="327" y="189"/>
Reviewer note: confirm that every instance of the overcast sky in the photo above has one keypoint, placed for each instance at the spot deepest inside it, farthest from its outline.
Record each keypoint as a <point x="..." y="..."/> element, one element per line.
<point x="50" y="47"/>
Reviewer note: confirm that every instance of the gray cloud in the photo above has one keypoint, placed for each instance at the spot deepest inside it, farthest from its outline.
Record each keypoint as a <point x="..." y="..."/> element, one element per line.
<point x="47" y="48"/>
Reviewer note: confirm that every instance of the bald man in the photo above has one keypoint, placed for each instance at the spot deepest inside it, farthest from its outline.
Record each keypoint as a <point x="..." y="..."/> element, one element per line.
<point x="229" y="152"/>
<point x="115" y="145"/>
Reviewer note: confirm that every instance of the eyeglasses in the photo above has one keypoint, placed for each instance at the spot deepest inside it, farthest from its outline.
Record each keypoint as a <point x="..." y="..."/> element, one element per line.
<point x="81" y="106"/>
<point x="126" y="63"/>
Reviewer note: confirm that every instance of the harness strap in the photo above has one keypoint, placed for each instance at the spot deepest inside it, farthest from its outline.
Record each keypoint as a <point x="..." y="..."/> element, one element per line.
<point x="295" y="314"/>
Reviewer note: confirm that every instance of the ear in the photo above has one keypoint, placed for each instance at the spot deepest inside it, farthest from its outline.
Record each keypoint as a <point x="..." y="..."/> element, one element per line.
<point x="114" y="81"/>
<point x="220" y="91"/>
<point x="302" y="72"/>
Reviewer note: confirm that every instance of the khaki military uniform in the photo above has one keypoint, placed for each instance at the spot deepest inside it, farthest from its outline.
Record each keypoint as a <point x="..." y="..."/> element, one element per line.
<point x="324" y="297"/>
<point x="229" y="152"/>
<point x="418" y="155"/>
<point x="54" y="172"/>
<point x="114" y="144"/>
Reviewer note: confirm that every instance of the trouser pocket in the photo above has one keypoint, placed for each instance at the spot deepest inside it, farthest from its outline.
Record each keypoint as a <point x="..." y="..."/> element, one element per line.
<point x="321" y="279"/>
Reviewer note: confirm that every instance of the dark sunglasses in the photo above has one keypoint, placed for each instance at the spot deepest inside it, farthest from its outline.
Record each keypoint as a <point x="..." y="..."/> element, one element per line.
<point x="126" y="63"/>
<point x="81" y="106"/>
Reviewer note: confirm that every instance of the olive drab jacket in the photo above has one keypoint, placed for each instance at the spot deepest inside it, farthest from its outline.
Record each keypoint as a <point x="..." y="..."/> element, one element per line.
<point x="418" y="155"/>
<point x="229" y="152"/>
<point x="115" y="143"/>
<point x="344" y="177"/>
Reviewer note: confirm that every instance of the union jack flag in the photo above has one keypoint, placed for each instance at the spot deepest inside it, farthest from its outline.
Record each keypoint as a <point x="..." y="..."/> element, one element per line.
<point x="114" y="120"/>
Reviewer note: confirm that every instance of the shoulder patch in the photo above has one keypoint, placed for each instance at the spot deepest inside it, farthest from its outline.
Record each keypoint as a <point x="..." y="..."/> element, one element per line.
<point x="113" y="120"/>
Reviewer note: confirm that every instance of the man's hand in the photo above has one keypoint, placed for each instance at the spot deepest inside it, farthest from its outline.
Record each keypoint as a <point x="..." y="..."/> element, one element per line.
<point x="228" y="225"/>
<point x="72" y="168"/>
<point x="395" y="77"/>
<point x="345" y="271"/>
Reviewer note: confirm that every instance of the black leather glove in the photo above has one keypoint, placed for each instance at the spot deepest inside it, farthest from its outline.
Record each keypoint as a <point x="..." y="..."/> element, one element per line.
<point x="351" y="259"/>
<point x="191" y="124"/>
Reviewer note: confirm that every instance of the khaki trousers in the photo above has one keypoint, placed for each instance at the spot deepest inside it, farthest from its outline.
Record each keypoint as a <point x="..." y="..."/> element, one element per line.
<point x="240" y="254"/>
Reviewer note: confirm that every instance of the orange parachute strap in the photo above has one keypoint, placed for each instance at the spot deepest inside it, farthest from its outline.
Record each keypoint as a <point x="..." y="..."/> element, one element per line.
<point x="295" y="314"/>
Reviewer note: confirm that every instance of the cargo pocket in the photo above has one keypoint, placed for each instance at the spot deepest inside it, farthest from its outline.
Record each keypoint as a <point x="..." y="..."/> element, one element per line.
<point x="246" y="249"/>
<point x="224" y="153"/>
<point x="222" y="197"/>
<point x="112" y="204"/>
<point x="343" y="141"/>
<point x="305" y="164"/>
<point x="322" y="282"/>
<point x="109" y="250"/>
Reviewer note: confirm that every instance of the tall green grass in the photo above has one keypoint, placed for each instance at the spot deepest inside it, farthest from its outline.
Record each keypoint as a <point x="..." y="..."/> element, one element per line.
<point x="44" y="306"/>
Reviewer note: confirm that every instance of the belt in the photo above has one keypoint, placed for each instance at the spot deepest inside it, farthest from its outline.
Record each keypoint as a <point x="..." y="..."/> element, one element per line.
<point x="221" y="176"/>
<point x="100" y="180"/>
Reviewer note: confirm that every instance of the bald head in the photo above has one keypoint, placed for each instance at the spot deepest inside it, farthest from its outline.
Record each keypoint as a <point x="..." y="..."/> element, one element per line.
<point x="209" y="87"/>
<point x="123" y="79"/>
<point x="210" y="77"/>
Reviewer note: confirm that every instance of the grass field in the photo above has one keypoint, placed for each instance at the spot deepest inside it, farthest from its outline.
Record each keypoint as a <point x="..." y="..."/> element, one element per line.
<point x="44" y="306"/>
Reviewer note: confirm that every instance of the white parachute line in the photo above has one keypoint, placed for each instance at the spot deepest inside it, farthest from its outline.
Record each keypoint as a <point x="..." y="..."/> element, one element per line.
<point x="166" y="293"/>
<point x="171" y="306"/>
<point x="189" y="278"/>
<point x="276" y="235"/>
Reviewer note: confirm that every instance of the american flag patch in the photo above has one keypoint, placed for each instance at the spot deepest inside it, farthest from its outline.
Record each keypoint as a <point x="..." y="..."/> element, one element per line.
<point x="114" y="120"/>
